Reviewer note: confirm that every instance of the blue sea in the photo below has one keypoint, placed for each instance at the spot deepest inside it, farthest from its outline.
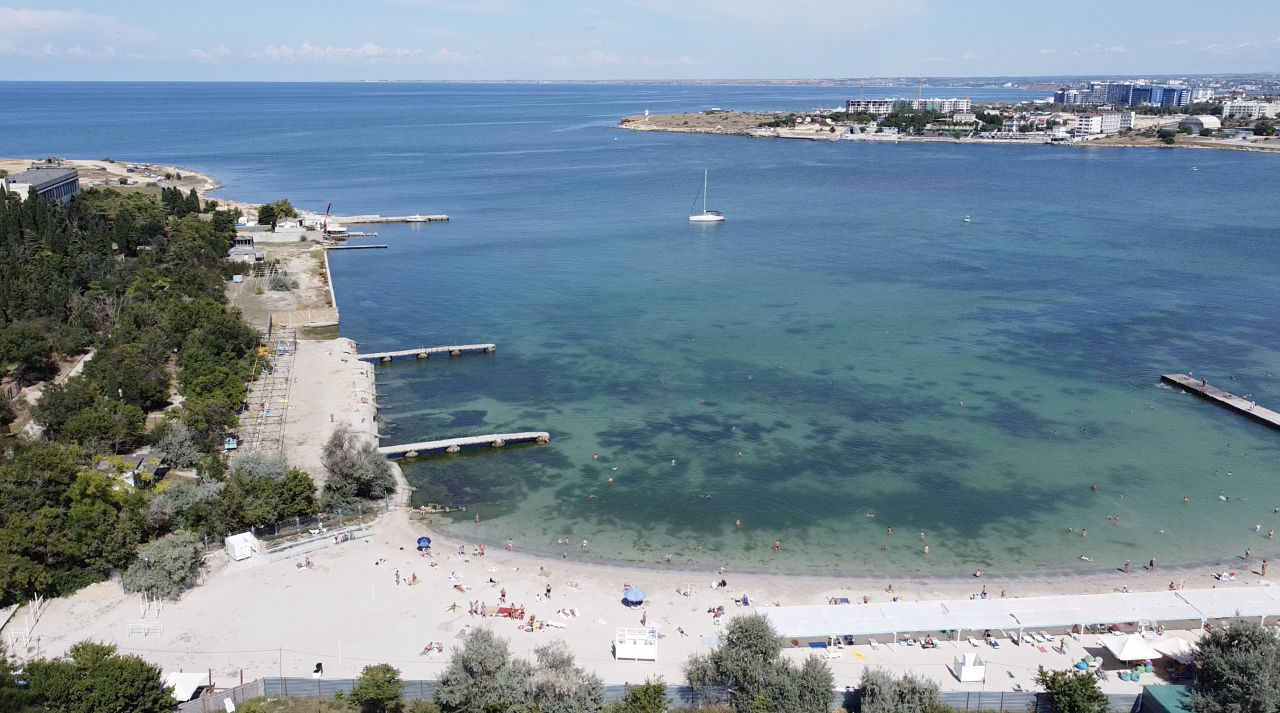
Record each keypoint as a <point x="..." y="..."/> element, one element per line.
<point x="842" y="356"/>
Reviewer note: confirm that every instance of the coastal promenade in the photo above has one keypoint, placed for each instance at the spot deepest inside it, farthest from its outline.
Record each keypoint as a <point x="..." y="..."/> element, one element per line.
<point x="1226" y="399"/>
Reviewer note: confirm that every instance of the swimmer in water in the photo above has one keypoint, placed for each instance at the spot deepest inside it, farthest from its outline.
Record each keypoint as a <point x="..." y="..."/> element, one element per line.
<point x="1186" y="500"/>
<point x="1094" y="488"/>
<point x="737" y="523"/>
<point x="673" y="461"/>
<point x="891" y="531"/>
<point x="740" y="454"/>
<point x="591" y="497"/>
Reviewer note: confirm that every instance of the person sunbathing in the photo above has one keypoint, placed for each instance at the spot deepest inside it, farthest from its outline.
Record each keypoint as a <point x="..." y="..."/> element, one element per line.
<point x="430" y="647"/>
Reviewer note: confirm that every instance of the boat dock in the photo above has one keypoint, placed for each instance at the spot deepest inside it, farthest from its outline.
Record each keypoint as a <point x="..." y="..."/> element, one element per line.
<point x="371" y="219"/>
<point x="1223" y="398"/>
<point x="352" y="234"/>
<point x="426" y="352"/>
<point x="354" y="247"/>
<point x="454" y="445"/>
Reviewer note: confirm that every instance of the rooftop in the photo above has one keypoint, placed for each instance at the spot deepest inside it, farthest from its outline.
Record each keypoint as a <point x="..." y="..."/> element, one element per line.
<point x="44" y="174"/>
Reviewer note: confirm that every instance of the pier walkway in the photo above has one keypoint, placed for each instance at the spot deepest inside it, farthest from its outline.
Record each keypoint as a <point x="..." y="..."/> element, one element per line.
<point x="425" y="352"/>
<point x="453" y="445"/>
<point x="1223" y="398"/>
<point x="373" y="219"/>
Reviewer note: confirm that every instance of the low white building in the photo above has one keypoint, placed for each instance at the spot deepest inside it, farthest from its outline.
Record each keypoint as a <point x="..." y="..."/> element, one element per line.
<point x="1249" y="111"/>
<point x="1200" y="123"/>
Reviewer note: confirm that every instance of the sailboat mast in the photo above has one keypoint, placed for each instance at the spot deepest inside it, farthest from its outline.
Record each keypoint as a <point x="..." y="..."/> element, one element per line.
<point x="704" y="191"/>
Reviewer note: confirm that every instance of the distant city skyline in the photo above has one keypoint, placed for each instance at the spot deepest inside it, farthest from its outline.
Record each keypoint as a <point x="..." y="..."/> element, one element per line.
<point x="325" y="40"/>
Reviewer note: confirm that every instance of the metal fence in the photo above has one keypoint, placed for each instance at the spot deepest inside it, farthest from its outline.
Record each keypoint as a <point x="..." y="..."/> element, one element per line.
<point x="215" y="703"/>
<point x="1012" y="701"/>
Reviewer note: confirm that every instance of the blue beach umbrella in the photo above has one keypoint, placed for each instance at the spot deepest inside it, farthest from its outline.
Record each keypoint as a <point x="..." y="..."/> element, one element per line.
<point x="424" y="543"/>
<point x="634" y="596"/>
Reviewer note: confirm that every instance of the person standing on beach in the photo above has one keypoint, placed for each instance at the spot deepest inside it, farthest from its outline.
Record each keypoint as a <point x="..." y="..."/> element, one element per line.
<point x="584" y="545"/>
<point x="509" y="544"/>
<point x="397" y="577"/>
<point x="1264" y="568"/>
<point x="548" y="590"/>
<point x="777" y="546"/>
<point x="502" y="596"/>
<point x="1151" y="566"/>
<point x="1248" y="553"/>
<point x="1126" y="566"/>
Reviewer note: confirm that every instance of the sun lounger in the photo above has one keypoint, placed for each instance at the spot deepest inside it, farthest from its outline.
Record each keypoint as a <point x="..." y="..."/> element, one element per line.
<point x="875" y="645"/>
<point x="974" y="642"/>
<point x="831" y="656"/>
<point x="995" y="643"/>
<point x="556" y="624"/>
<point x="1046" y="636"/>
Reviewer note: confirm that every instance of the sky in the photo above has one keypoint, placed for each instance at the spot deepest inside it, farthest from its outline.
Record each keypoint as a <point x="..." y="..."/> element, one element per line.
<point x="326" y="40"/>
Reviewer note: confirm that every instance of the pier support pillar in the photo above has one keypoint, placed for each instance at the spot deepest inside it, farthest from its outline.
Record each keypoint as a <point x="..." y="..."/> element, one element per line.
<point x="456" y="352"/>
<point x="411" y="454"/>
<point x="386" y="359"/>
<point x="423" y="355"/>
<point x="543" y="439"/>
<point x="498" y="443"/>
<point x="452" y="449"/>
<point x="490" y="350"/>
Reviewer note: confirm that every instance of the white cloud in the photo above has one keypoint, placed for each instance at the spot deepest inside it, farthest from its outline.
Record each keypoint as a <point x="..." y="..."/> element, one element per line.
<point x="1114" y="49"/>
<point x="25" y="22"/>
<point x="1177" y="42"/>
<point x="367" y="53"/>
<point x="813" y="15"/>
<point x="212" y="55"/>
<point x="600" y="58"/>
<point x="969" y="55"/>
<point x="1047" y="52"/>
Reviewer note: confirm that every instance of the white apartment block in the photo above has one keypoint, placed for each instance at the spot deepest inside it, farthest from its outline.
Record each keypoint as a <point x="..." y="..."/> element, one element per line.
<point x="878" y="107"/>
<point x="1249" y="110"/>
<point x="1103" y="122"/>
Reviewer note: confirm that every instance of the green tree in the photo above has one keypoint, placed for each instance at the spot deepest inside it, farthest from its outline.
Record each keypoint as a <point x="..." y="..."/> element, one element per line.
<point x="357" y="472"/>
<point x="92" y="678"/>
<point x="749" y="664"/>
<point x="1073" y="691"/>
<point x="108" y="426"/>
<point x="28" y="348"/>
<point x="482" y="677"/>
<point x="378" y="690"/>
<point x="13" y="698"/>
<point x="1238" y="670"/>
<point x="1264" y="128"/>
<point x="165" y="568"/>
<point x="882" y="692"/>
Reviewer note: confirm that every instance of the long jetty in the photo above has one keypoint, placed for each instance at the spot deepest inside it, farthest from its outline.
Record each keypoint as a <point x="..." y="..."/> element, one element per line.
<point x="454" y="445"/>
<point x="355" y="247"/>
<point x="1226" y="399"/>
<point x="426" y="352"/>
<point x="371" y="219"/>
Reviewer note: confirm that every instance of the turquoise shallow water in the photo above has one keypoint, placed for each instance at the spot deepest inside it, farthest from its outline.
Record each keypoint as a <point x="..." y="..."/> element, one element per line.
<point x="828" y="331"/>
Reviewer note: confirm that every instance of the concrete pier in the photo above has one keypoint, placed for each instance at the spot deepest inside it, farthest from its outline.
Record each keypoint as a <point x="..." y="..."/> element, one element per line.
<point x="1223" y="398"/>
<point x="426" y="352"/>
<point x="454" y="445"/>
<point x="372" y="219"/>
<point x="354" y="247"/>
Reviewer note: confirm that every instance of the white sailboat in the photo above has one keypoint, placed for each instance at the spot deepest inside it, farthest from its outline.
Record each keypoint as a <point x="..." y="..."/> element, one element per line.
<point x="707" y="216"/>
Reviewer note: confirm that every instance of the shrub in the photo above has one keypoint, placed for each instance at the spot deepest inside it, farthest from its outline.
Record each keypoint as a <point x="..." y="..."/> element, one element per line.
<point x="1073" y="691"/>
<point x="176" y="442"/>
<point x="356" y="471"/>
<point x="558" y="686"/>
<point x="650" y="697"/>
<point x="165" y="568"/>
<point x="378" y="689"/>
<point x="280" y="283"/>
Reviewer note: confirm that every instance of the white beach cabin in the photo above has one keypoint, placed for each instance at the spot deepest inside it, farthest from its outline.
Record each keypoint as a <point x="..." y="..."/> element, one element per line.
<point x="242" y="546"/>
<point x="636" y="644"/>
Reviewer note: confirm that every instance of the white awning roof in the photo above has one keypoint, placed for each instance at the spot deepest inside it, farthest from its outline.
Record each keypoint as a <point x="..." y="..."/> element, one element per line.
<point x="1226" y="603"/>
<point x="185" y="684"/>
<point x="1034" y="612"/>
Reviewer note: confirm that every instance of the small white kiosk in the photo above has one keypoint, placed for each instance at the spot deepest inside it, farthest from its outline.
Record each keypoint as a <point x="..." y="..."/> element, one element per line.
<point x="970" y="669"/>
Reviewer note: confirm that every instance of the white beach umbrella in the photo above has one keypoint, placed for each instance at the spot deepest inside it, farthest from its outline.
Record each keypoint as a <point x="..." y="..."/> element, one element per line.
<point x="1177" y="649"/>
<point x="1130" y="648"/>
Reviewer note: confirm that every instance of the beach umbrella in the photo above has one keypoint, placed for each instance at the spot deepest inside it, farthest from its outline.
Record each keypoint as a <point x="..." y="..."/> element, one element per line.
<point x="424" y="543"/>
<point x="1177" y="649"/>
<point x="1130" y="648"/>
<point x="634" y="595"/>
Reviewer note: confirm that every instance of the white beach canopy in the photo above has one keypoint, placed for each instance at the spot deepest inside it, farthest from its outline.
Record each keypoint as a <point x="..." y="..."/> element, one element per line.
<point x="1130" y="648"/>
